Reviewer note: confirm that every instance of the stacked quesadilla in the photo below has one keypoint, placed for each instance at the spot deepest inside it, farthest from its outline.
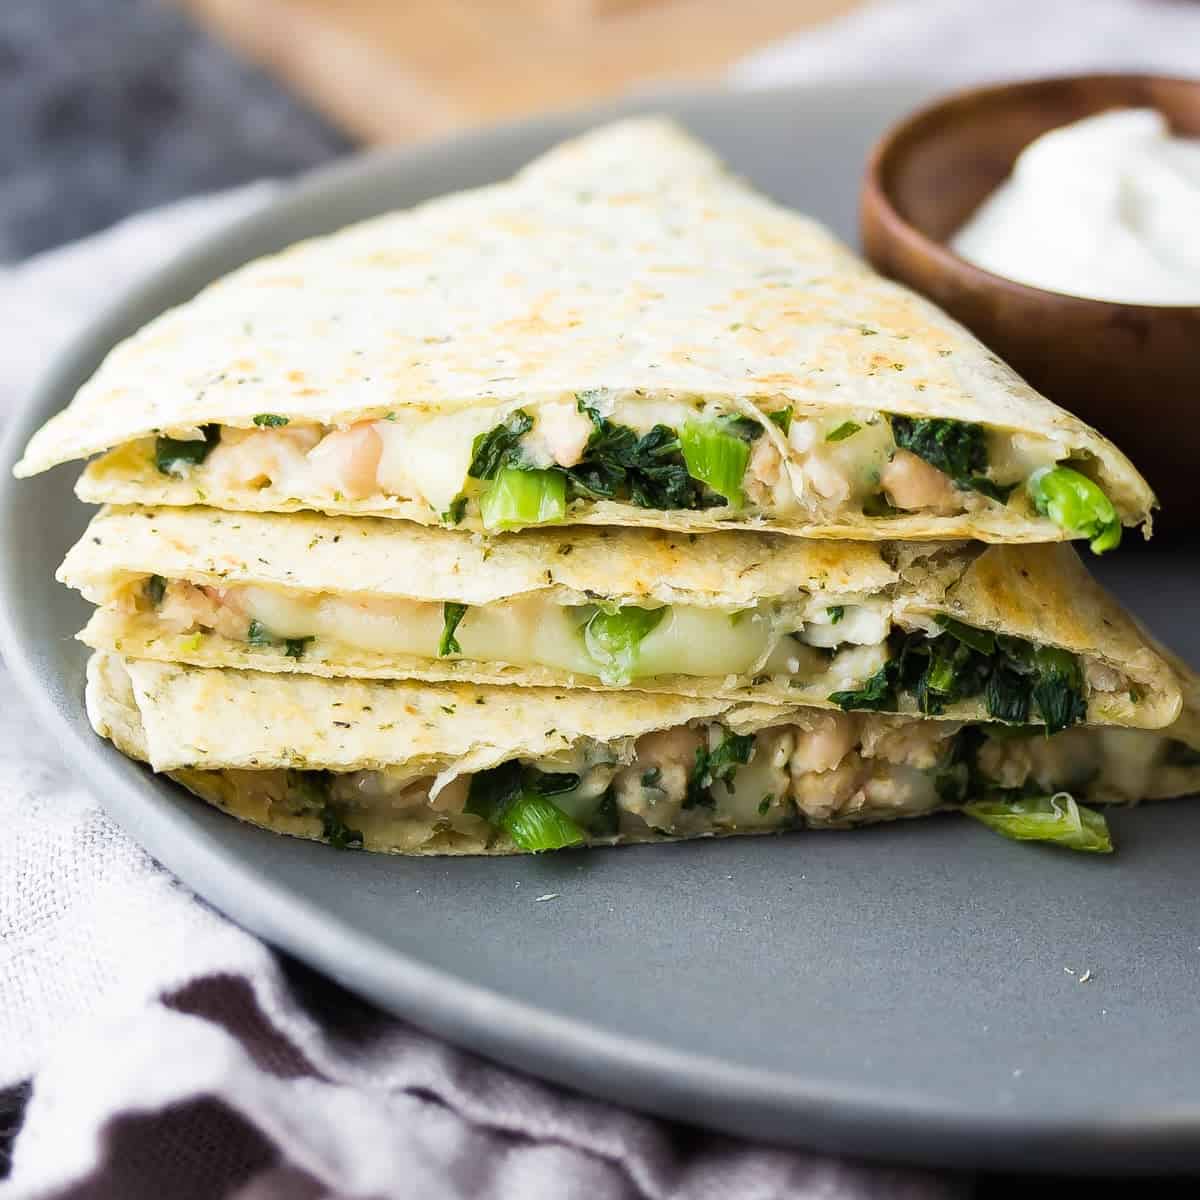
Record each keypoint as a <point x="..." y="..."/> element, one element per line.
<point x="612" y="503"/>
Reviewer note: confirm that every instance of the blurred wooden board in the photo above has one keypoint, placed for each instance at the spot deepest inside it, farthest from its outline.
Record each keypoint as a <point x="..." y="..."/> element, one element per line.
<point x="394" y="70"/>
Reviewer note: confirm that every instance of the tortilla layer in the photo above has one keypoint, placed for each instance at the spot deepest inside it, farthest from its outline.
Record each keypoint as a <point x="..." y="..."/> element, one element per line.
<point x="197" y="725"/>
<point x="627" y="261"/>
<point x="1041" y="593"/>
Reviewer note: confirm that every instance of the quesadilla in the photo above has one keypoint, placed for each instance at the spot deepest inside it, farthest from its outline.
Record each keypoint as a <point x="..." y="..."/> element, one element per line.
<point x="1020" y="634"/>
<point x="471" y="769"/>
<point x="623" y="334"/>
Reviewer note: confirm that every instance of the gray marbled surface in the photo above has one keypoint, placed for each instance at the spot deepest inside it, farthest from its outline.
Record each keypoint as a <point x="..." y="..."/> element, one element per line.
<point x="112" y="106"/>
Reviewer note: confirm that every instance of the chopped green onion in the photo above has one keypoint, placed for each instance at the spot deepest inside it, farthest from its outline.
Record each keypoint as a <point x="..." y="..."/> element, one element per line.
<point x="612" y="640"/>
<point x="1056" y="818"/>
<point x="517" y="801"/>
<point x="843" y="431"/>
<point x="452" y="614"/>
<point x="1074" y="503"/>
<point x="716" y="458"/>
<point x="270" y="420"/>
<point x="516" y="498"/>
<point x="835" y="612"/>
<point x="535" y="823"/>
<point x="155" y="588"/>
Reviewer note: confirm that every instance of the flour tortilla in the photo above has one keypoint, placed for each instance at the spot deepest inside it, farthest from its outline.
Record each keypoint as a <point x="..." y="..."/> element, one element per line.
<point x="627" y="261"/>
<point x="1041" y="593"/>
<point x="207" y="728"/>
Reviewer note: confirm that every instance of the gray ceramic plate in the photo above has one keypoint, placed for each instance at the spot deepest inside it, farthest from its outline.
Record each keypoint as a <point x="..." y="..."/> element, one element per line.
<point x="900" y="992"/>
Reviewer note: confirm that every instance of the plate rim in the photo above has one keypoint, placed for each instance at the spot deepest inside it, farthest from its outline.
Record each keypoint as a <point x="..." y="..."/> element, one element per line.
<point x="814" y="1113"/>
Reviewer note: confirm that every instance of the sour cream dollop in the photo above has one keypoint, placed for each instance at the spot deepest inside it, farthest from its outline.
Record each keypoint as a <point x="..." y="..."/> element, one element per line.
<point x="1106" y="208"/>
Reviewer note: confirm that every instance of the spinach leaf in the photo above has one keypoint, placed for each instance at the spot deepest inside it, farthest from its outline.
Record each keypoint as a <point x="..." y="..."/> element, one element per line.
<point x="1058" y="688"/>
<point x="649" y="470"/>
<point x="457" y="510"/>
<point x="176" y="456"/>
<point x="259" y="635"/>
<point x="500" y="446"/>
<point x="1008" y="695"/>
<point x="310" y="790"/>
<point x="295" y="647"/>
<point x="337" y="833"/>
<point x="958" y="448"/>
<point x="452" y="614"/>
<point x="717" y="765"/>
<point x="877" y="694"/>
<point x="1014" y="677"/>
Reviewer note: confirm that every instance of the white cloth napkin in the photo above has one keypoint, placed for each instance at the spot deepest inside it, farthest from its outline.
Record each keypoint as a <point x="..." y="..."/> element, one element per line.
<point x="173" y="1055"/>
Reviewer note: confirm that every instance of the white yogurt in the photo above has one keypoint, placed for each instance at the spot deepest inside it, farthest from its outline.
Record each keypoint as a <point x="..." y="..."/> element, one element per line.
<point x="1107" y="208"/>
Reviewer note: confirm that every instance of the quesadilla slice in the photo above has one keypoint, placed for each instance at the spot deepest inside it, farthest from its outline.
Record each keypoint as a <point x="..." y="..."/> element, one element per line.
<point x="469" y="769"/>
<point x="1020" y="634"/>
<point x="623" y="334"/>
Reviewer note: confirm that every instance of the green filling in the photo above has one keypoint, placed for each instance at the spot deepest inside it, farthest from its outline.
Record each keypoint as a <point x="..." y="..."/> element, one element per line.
<point x="651" y="470"/>
<point x="270" y="420"/>
<point x="257" y="634"/>
<point x="957" y="448"/>
<point x="1014" y="677"/>
<point x="718" y="452"/>
<point x="1057" y="819"/>
<point x="717" y="765"/>
<point x="177" y="456"/>
<point x="1074" y="503"/>
<point x="843" y="431"/>
<point x="310" y="790"/>
<point x="452" y="614"/>
<point x="457" y="510"/>
<point x="612" y="640"/>
<point x="155" y="589"/>
<point x="500" y="446"/>
<point x="517" y="800"/>
<point x="519" y="496"/>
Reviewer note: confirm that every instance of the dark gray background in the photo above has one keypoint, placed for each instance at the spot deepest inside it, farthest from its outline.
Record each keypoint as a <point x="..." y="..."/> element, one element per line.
<point x="108" y="107"/>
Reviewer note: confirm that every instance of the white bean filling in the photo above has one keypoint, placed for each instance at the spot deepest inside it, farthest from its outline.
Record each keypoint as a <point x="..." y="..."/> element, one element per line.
<point x="836" y="768"/>
<point x="808" y="639"/>
<point x="822" y="466"/>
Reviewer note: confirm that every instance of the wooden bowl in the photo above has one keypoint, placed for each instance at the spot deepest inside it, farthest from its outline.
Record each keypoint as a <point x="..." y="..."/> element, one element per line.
<point x="1131" y="370"/>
